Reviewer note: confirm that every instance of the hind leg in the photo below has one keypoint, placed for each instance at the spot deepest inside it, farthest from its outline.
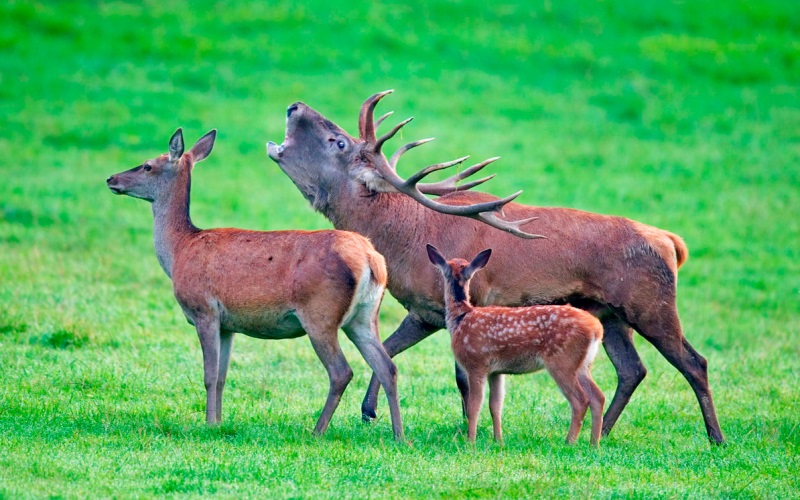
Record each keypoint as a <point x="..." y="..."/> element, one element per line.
<point x="325" y="341"/>
<point x="618" y="343"/>
<point x="578" y="401"/>
<point x="663" y="330"/>
<point x="596" y="402"/>
<point x="363" y="332"/>
<point x="410" y="331"/>
<point x="463" y="388"/>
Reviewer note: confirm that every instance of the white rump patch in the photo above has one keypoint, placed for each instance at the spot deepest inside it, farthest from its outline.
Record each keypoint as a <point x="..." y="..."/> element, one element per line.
<point x="366" y="293"/>
<point x="594" y="345"/>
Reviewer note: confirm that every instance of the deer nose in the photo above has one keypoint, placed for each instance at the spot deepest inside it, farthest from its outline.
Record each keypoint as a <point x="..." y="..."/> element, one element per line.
<point x="108" y="181"/>
<point x="291" y="110"/>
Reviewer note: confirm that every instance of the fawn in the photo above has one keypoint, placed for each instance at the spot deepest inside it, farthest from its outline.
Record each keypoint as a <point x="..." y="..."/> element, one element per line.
<point x="489" y="342"/>
<point x="265" y="284"/>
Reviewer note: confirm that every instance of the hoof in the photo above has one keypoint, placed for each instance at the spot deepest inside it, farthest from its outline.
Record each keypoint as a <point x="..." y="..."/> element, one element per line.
<point x="718" y="442"/>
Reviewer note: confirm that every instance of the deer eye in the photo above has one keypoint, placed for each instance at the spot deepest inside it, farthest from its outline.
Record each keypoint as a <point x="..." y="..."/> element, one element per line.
<point x="147" y="168"/>
<point x="341" y="144"/>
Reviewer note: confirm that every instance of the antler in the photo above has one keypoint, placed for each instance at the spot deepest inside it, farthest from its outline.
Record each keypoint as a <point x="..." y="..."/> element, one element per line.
<point x="448" y="185"/>
<point x="484" y="212"/>
<point x="366" y="125"/>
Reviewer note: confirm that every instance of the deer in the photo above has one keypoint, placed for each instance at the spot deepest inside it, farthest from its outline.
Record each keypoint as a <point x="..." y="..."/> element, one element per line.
<point x="263" y="284"/>
<point x="490" y="342"/>
<point x="622" y="271"/>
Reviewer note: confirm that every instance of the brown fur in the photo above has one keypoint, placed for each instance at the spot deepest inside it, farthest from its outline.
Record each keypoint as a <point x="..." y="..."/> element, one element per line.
<point x="268" y="285"/>
<point x="489" y="342"/>
<point x="621" y="270"/>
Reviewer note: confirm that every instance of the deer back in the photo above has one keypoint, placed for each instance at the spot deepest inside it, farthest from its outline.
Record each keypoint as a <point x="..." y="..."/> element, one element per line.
<point x="524" y="339"/>
<point x="257" y="280"/>
<point x="586" y="256"/>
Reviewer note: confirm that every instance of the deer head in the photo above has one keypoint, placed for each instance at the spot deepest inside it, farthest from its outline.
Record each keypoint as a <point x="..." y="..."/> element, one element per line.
<point x="457" y="272"/>
<point x="321" y="158"/>
<point x="155" y="178"/>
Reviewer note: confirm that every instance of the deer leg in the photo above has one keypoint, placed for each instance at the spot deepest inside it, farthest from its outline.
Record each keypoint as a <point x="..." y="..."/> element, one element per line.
<point x="327" y="347"/>
<point x="209" y="334"/>
<point x="596" y="402"/>
<point x="664" y="332"/>
<point x="225" y="345"/>
<point x="476" y="386"/>
<point x="496" y="395"/>
<point x="410" y="331"/>
<point x="363" y="332"/>
<point x="578" y="400"/>
<point x="463" y="388"/>
<point x="618" y="343"/>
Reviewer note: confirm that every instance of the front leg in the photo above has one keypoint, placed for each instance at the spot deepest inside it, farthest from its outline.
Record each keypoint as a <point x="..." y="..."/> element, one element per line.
<point x="477" y="382"/>
<point x="208" y="332"/>
<point x="411" y="330"/>
<point x="226" y="344"/>
<point x="326" y="345"/>
<point x="497" y="393"/>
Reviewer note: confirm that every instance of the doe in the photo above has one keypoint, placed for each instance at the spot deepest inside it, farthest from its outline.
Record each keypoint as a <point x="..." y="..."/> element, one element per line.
<point x="489" y="342"/>
<point x="268" y="285"/>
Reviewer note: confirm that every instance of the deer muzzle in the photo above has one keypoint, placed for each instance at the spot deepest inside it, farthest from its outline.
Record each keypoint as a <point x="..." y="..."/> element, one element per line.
<point x="111" y="182"/>
<point x="275" y="151"/>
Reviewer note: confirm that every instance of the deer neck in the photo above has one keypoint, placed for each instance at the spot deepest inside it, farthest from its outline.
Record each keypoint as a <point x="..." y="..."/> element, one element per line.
<point x="171" y="221"/>
<point x="385" y="218"/>
<point x="456" y="300"/>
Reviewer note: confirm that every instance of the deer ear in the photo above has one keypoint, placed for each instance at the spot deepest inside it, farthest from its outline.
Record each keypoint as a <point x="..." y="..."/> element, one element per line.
<point x="203" y="146"/>
<point x="478" y="263"/>
<point x="176" y="145"/>
<point x="435" y="256"/>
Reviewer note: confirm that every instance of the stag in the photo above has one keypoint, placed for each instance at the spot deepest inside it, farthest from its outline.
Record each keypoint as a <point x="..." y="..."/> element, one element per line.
<point x="623" y="271"/>
<point x="264" y="284"/>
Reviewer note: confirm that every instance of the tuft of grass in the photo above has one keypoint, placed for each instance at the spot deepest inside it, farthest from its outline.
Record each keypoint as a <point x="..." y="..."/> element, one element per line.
<point x="12" y="327"/>
<point x="61" y="339"/>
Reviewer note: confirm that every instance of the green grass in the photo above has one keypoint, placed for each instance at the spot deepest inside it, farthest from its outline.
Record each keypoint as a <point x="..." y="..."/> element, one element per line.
<point x="684" y="115"/>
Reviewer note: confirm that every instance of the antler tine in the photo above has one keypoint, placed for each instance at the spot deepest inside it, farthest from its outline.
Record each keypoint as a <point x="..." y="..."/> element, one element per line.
<point x="480" y="211"/>
<point x="477" y="208"/>
<point x="512" y="227"/>
<point x="383" y="117"/>
<point x="366" y="125"/>
<point x="449" y="185"/>
<point x="475" y="211"/>
<point x="414" y="179"/>
<point x="410" y="145"/>
<point x="388" y="135"/>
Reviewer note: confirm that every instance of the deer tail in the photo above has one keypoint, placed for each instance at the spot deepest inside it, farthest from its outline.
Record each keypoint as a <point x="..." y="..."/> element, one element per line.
<point x="377" y="265"/>
<point x="681" y="251"/>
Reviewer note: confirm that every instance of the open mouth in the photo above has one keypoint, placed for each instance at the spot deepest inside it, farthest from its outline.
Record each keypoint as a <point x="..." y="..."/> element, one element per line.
<point x="275" y="151"/>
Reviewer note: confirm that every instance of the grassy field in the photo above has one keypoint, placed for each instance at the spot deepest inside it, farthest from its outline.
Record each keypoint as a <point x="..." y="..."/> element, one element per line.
<point x="684" y="115"/>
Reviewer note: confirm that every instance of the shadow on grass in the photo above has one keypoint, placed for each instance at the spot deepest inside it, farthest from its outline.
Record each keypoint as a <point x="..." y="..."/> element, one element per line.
<point x="62" y="338"/>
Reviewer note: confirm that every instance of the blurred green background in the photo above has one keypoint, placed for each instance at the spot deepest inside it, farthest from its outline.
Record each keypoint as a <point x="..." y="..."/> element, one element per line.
<point x="683" y="115"/>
